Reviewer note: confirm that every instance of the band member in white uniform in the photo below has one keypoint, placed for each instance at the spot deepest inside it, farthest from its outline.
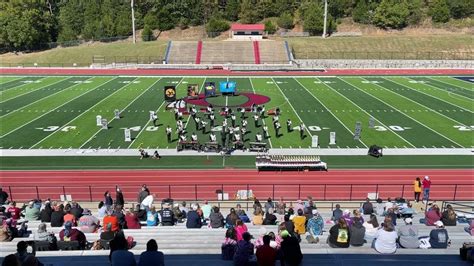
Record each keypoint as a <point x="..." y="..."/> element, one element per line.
<point x="277" y="129"/>
<point x="194" y="137"/>
<point x="212" y="137"/>
<point x="258" y="137"/>
<point x="265" y="131"/>
<point x="168" y="133"/>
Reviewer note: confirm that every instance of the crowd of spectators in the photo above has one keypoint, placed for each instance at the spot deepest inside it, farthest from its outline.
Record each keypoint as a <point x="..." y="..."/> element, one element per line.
<point x="300" y="222"/>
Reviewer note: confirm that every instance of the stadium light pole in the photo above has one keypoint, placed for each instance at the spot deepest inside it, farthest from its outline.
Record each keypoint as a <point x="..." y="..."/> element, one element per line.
<point x="133" y="23"/>
<point x="325" y="17"/>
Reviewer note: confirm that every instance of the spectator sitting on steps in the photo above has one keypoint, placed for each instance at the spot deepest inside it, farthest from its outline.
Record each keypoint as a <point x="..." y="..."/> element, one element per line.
<point x="270" y="218"/>
<point x="367" y="207"/>
<point x="152" y="257"/>
<point x="72" y="234"/>
<point x="193" y="219"/>
<point x="386" y="239"/>
<point x="167" y="215"/>
<point x="439" y="236"/>
<point x="339" y="235"/>
<point x="216" y="220"/>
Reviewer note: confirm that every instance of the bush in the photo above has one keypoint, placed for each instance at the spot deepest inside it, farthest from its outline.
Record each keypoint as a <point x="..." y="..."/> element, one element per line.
<point x="285" y="21"/>
<point x="147" y="34"/>
<point x="270" y="28"/>
<point x="216" y="26"/>
<point x="439" y="11"/>
<point x="391" y="14"/>
<point x="361" y="13"/>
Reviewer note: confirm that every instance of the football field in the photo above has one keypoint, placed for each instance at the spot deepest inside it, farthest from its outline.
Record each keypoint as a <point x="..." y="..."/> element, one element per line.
<point x="46" y="112"/>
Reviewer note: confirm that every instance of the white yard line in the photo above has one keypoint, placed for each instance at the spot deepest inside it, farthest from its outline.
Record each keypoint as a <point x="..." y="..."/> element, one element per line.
<point x="449" y="92"/>
<point x="287" y="100"/>
<point x="426" y="84"/>
<point x="148" y="122"/>
<point x="329" y="110"/>
<point x="38" y="117"/>
<point x="363" y="110"/>
<point x="68" y="123"/>
<point x="263" y="120"/>
<point x="449" y="84"/>
<point x="189" y="115"/>
<point x="20" y="85"/>
<point x="411" y="118"/>
<point x="418" y="102"/>
<point x="30" y="91"/>
<point x="125" y="108"/>
<point x="23" y="107"/>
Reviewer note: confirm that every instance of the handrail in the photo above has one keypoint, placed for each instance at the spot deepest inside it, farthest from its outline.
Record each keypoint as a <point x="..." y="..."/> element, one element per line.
<point x="445" y="192"/>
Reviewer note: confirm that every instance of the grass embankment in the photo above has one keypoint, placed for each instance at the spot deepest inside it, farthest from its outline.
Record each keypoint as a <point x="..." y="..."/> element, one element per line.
<point x="217" y="162"/>
<point x="121" y="51"/>
<point x="435" y="46"/>
<point x="447" y="46"/>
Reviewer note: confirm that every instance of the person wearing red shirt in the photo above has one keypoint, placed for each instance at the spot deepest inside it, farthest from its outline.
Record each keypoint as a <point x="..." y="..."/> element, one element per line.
<point x="132" y="220"/>
<point x="112" y="219"/>
<point x="432" y="215"/>
<point x="426" y="188"/>
<point x="14" y="211"/>
<point x="266" y="255"/>
<point x="69" y="217"/>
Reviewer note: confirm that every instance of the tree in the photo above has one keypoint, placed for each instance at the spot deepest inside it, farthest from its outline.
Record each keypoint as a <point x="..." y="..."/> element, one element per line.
<point x="340" y="8"/>
<point x="92" y="16"/>
<point x="215" y="26"/>
<point x="285" y="21"/>
<point x="71" y="21"/>
<point x="439" y="11"/>
<point x="248" y="12"/>
<point x="165" y="20"/>
<point x="461" y="8"/>
<point x="232" y="10"/>
<point x="313" y="20"/>
<point x="270" y="28"/>
<point x="147" y="34"/>
<point x="391" y="14"/>
<point x="266" y="9"/>
<point x="151" y="20"/>
<point x="416" y="11"/>
<point x="123" y="21"/>
<point x="361" y="13"/>
<point x="25" y="26"/>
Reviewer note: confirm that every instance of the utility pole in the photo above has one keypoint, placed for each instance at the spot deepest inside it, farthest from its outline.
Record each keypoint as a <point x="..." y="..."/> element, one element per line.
<point x="325" y="17"/>
<point x="133" y="23"/>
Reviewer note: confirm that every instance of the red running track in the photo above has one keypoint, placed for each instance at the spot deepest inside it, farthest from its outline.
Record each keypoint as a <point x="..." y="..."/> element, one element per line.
<point x="223" y="72"/>
<point x="202" y="184"/>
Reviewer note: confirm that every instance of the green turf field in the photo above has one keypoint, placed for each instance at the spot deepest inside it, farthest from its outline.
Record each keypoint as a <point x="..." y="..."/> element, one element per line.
<point x="413" y="112"/>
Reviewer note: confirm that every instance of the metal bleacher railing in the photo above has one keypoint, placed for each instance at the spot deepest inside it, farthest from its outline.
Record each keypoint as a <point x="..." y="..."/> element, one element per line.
<point x="445" y="192"/>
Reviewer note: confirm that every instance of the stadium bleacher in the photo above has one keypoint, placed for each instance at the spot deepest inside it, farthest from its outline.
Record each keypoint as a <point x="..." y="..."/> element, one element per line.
<point x="225" y="52"/>
<point x="183" y="246"/>
<point x="183" y="52"/>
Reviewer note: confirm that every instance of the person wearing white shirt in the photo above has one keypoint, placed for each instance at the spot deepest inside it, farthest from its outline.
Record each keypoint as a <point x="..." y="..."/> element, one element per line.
<point x="386" y="239"/>
<point x="147" y="202"/>
<point x="194" y="137"/>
